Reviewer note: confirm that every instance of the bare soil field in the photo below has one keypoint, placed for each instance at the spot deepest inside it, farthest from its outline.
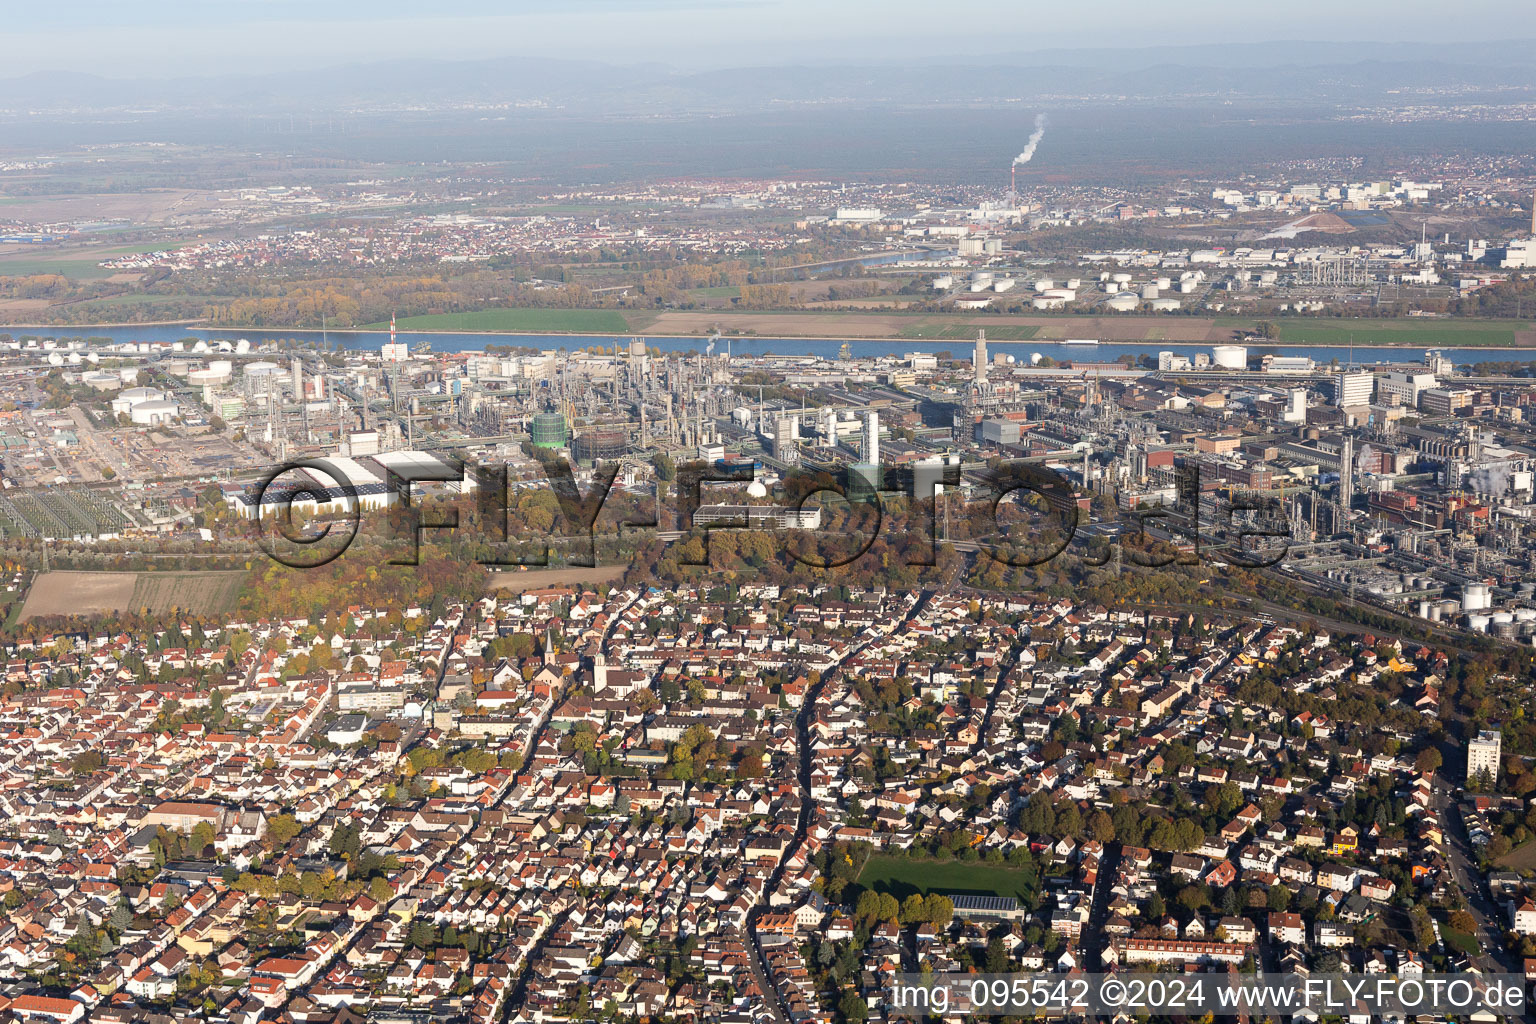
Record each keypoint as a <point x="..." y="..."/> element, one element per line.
<point x="536" y="578"/>
<point x="96" y="593"/>
<point x="78" y="593"/>
<point x="152" y="206"/>
<point x="22" y="305"/>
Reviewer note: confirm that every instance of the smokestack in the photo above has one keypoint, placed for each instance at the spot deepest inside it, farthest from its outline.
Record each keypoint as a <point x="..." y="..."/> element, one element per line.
<point x="1533" y="213"/>
<point x="872" y="438"/>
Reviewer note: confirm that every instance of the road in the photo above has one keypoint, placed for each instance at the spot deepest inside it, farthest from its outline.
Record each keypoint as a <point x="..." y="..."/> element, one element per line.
<point x="1098" y="911"/>
<point x="803" y="721"/>
<point x="1466" y="877"/>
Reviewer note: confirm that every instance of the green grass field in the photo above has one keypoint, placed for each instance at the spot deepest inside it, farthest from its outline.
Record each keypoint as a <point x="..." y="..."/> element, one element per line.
<point x="901" y="877"/>
<point x="1395" y="334"/>
<point x="574" y="321"/>
<point x="138" y="247"/>
<point x="1521" y="858"/>
<point x="75" y="270"/>
<point x="1428" y="333"/>
<point x="944" y="329"/>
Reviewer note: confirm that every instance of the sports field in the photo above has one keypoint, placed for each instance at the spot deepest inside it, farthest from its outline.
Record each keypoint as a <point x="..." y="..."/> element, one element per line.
<point x="96" y="593"/>
<point x="902" y="877"/>
<point x="572" y="321"/>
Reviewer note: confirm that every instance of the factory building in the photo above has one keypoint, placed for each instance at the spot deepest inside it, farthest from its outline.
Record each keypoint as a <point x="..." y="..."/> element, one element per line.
<point x="758" y="517"/>
<point x="1444" y="401"/>
<point x="1398" y="388"/>
<point x="1353" y="388"/>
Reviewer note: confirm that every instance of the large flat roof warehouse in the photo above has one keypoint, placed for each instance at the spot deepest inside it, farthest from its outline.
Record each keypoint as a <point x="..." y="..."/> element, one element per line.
<point x="329" y="487"/>
<point x="424" y="467"/>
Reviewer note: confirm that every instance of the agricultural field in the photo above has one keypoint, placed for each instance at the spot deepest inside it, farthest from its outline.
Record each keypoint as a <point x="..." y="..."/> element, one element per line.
<point x="96" y="593"/>
<point x="901" y="877"/>
<point x="75" y="270"/>
<point x="572" y="321"/>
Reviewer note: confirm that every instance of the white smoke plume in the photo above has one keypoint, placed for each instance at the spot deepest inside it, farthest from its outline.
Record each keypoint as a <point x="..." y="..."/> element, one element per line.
<point x="1034" y="140"/>
<point x="1366" y="461"/>
<point x="1490" y="480"/>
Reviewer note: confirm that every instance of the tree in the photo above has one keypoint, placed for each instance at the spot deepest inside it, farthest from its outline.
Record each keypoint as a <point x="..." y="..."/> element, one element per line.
<point x="1429" y="760"/>
<point x="997" y="956"/>
<point x="283" y="829"/>
<point x="941" y="910"/>
<point x="379" y="889"/>
<point x="203" y="836"/>
<point x="867" y="910"/>
<point x="852" y="1007"/>
<point x="1102" y="827"/>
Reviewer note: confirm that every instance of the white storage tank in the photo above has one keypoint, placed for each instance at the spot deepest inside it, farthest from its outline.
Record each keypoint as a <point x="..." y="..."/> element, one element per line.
<point x="1230" y="357"/>
<point x="1123" y="302"/>
<point x="1477" y="623"/>
<point x="1476" y="597"/>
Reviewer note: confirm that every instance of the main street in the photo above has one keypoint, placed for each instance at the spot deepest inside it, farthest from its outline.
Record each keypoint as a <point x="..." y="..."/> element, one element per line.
<point x="1466" y="876"/>
<point x="803" y="720"/>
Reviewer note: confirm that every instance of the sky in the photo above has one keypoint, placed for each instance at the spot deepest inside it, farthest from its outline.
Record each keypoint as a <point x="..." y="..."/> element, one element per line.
<point x="170" y="38"/>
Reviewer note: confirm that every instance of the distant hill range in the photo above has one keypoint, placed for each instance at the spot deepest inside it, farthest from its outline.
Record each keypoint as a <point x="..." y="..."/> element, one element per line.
<point x="1309" y="74"/>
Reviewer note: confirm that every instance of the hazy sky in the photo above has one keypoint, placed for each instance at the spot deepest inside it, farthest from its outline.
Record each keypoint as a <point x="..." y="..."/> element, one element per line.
<point x="166" y="38"/>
